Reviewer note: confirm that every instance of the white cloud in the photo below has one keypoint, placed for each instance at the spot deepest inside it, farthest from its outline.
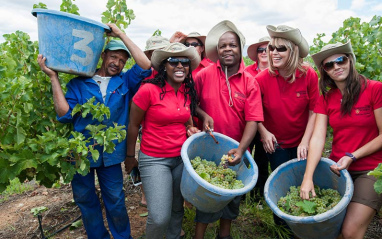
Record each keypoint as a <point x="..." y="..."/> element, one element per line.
<point x="357" y="4"/>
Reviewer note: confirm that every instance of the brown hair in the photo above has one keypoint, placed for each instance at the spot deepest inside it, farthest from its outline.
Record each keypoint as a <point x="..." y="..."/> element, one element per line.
<point x="355" y="84"/>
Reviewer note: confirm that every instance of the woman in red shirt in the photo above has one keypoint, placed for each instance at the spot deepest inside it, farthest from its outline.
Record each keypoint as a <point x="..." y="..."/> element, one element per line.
<point x="289" y="90"/>
<point x="163" y="105"/>
<point x="352" y="105"/>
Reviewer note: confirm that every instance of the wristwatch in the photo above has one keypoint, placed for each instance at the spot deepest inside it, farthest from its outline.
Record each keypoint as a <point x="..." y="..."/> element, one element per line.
<point x="351" y="156"/>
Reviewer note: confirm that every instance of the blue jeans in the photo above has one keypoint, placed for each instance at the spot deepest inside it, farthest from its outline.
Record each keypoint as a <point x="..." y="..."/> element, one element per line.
<point x="281" y="156"/>
<point x="84" y="193"/>
<point x="161" y="183"/>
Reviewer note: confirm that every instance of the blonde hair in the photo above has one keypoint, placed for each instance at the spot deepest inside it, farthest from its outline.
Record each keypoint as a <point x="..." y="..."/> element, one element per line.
<point x="294" y="61"/>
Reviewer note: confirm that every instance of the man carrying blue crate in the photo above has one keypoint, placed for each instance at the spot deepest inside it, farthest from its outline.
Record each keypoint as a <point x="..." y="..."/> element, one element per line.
<point x="114" y="88"/>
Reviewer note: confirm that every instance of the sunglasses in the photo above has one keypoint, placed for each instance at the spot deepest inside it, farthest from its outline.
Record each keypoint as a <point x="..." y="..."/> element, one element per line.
<point x="342" y="60"/>
<point x="174" y="62"/>
<point x="279" y="49"/>
<point x="194" y="44"/>
<point x="261" y="49"/>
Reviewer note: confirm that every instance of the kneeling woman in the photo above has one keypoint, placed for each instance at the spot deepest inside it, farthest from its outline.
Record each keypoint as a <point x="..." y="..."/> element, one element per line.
<point x="352" y="105"/>
<point x="163" y="105"/>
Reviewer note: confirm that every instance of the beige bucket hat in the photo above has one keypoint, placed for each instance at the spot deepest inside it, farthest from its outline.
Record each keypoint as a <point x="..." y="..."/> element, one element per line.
<point x="252" y="49"/>
<point x="214" y="35"/>
<point x="156" y="42"/>
<point x="292" y="34"/>
<point x="332" y="49"/>
<point x="196" y="35"/>
<point x="172" y="50"/>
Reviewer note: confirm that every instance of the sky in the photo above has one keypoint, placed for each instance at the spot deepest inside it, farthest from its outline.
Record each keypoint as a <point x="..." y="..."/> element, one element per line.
<point x="250" y="16"/>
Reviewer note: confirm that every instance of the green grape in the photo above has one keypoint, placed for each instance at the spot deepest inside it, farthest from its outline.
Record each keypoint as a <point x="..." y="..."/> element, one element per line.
<point x="325" y="200"/>
<point x="218" y="175"/>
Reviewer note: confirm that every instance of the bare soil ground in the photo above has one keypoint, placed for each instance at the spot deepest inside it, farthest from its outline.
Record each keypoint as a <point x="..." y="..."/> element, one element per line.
<point x="17" y="221"/>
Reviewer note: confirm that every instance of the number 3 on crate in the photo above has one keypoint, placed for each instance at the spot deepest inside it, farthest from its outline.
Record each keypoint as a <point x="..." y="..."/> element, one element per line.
<point x="82" y="45"/>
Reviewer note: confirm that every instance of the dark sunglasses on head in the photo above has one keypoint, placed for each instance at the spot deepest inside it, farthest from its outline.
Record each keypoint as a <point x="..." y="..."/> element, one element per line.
<point x="261" y="49"/>
<point x="339" y="61"/>
<point x="175" y="61"/>
<point x="194" y="44"/>
<point x="279" y="49"/>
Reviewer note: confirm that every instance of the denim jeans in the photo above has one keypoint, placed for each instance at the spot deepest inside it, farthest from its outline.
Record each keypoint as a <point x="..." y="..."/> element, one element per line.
<point x="84" y="193"/>
<point x="161" y="184"/>
<point x="280" y="156"/>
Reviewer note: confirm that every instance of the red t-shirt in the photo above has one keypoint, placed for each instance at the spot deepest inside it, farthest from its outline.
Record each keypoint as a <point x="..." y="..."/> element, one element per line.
<point x="253" y="69"/>
<point x="163" y="127"/>
<point x="213" y="95"/>
<point x="352" y="132"/>
<point x="287" y="105"/>
<point x="203" y="64"/>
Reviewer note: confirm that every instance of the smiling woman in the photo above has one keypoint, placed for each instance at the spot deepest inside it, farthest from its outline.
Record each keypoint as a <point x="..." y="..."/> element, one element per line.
<point x="164" y="105"/>
<point x="352" y="105"/>
<point x="289" y="89"/>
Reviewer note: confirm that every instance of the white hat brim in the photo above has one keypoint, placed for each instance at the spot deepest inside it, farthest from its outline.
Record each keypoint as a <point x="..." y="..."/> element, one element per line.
<point x="333" y="49"/>
<point x="214" y="35"/>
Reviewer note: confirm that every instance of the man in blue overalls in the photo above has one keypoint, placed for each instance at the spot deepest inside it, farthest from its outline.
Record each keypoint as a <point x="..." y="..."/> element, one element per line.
<point x="114" y="88"/>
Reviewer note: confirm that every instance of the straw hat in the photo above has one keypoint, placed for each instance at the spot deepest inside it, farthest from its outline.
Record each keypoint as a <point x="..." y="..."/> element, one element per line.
<point x="156" y="42"/>
<point x="196" y="35"/>
<point x="214" y="35"/>
<point x="175" y="49"/>
<point x="252" y="49"/>
<point x="332" y="49"/>
<point x="291" y="34"/>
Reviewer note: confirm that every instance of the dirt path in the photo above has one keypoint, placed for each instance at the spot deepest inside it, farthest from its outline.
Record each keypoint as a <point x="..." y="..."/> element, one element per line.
<point x="17" y="221"/>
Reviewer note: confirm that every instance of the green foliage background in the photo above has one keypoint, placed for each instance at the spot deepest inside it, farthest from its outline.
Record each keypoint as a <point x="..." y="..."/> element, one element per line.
<point x="33" y="144"/>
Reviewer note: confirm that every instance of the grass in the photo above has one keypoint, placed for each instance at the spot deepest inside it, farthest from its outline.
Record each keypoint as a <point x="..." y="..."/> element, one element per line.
<point x="15" y="187"/>
<point x="255" y="221"/>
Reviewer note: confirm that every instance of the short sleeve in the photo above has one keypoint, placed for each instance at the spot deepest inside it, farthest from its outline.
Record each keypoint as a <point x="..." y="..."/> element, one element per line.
<point x="312" y="88"/>
<point x="320" y="106"/>
<point x="143" y="97"/>
<point x="376" y="94"/>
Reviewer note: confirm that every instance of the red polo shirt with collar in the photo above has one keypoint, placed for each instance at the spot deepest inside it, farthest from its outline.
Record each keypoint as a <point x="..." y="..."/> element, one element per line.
<point x="351" y="132"/>
<point x="203" y="64"/>
<point x="287" y="105"/>
<point x="163" y="127"/>
<point x="253" y="69"/>
<point x="213" y="94"/>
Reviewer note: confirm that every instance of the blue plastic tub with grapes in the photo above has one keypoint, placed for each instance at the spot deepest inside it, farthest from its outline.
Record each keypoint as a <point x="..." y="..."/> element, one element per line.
<point x="203" y="195"/>
<point x="326" y="225"/>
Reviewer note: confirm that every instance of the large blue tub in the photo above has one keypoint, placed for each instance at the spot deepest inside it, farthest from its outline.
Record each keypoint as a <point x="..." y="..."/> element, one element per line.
<point x="70" y="43"/>
<point x="326" y="225"/>
<point x="203" y="195"/>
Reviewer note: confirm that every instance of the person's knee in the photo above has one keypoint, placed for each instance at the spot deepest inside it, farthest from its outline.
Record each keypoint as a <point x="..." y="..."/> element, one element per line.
<point x="160" y="220"/>
<point x="349" y="231"/>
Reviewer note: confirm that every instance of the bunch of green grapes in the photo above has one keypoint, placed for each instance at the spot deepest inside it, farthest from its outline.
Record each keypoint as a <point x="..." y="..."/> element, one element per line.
<point x="292" y="204"/>
<point x="220" y="176"/>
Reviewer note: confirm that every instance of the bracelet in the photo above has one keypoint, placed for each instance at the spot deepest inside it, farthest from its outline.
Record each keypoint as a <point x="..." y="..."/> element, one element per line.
<point x="351" y="156"/>
<point x="130" y="156"/>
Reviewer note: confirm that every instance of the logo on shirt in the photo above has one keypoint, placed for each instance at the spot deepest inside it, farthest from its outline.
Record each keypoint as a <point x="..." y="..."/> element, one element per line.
<point x="362" y="110"/>
<point x="240" y="96"/>
<point x="300" y="94"/>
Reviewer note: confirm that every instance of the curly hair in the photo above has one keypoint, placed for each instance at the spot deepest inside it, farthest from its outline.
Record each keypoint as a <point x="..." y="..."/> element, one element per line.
<point x="355" y="84"/>
<point x="161" y="78"/>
